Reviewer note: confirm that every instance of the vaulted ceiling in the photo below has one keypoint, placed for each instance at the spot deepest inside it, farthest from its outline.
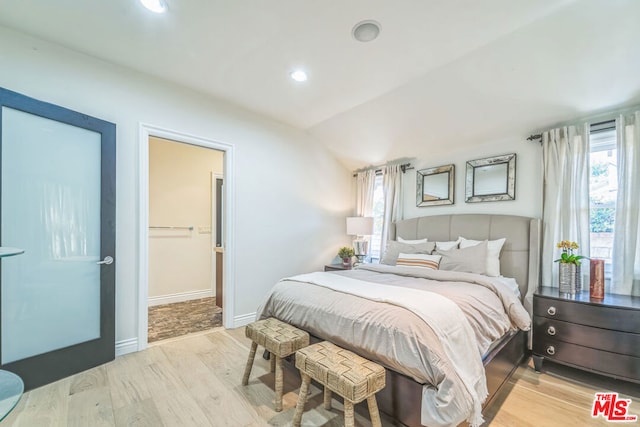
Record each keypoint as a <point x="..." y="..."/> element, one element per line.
<point x="441" y="73"/>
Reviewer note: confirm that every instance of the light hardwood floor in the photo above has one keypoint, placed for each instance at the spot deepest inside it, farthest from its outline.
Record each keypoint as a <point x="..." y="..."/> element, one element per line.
<point x="195" y="381"/>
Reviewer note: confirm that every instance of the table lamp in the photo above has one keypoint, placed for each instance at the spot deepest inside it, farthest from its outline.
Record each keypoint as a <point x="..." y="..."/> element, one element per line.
<point x="360" y="226"/>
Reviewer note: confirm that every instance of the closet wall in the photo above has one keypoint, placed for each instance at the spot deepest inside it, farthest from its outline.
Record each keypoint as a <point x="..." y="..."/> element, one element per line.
<point x="180" y="196"/>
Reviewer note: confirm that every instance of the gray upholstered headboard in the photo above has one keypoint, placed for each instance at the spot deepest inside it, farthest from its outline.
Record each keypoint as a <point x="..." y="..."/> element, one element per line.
<point x="520" y="256"/>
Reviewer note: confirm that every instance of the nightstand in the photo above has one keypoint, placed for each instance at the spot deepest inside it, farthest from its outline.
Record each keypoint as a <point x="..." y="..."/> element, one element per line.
<point x="602" y="336"/>
<point x="335" y="267"/>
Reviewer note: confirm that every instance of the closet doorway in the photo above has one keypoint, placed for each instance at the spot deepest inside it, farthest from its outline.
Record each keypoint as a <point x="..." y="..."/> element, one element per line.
<point x="184" y="239"/>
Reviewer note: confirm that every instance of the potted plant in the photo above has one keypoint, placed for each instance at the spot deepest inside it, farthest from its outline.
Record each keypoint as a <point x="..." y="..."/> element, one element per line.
<point x="346" y="253"/>
<point x="569" y="277"/>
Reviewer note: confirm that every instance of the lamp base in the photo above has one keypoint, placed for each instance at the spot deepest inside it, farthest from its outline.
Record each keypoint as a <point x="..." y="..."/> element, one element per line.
<point x="361" y="249"/>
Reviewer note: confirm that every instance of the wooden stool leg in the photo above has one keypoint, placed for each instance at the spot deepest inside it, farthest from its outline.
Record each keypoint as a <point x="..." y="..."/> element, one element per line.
<point x="279" y="382"/>
<point x="302" y="399"/>
<point x="272" y="361"/>
<point x="247" y="369"/>
<point x="327" y="398"/>
<point x="373" y="411"/>
<point x="348" y="414"/>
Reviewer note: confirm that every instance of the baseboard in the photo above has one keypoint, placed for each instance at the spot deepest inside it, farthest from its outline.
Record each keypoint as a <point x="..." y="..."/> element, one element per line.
<point x="126" y="346"/>
<point x="131" y="345"/>
<point x="180" y="297"/>
<point x="243" y="319"/>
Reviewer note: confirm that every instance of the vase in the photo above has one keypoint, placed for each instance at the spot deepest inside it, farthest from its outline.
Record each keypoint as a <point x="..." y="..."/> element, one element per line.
<point x="569" y="278"/>
<point x="596" y="279"/>
<point x="346" y="262"/>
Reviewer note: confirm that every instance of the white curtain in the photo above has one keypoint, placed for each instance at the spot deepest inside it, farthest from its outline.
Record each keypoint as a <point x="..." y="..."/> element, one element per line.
<point x="392" y="188"/>
<point x="565" y="205"/>
<point x="365" y="184"/>
<point x="626" y="242"/>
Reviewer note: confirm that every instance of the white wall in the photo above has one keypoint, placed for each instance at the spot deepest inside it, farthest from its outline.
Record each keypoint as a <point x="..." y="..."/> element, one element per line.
<point x="180" y="194"/>
<point x="291" y="195"/>
<point x="528" y="200"/>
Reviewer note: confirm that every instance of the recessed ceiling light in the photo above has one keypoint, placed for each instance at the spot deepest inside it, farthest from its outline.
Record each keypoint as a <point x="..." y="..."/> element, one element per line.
<point x="298" y="75"/>
<point x="157" y="6"/>
<point x="366" y="31"/>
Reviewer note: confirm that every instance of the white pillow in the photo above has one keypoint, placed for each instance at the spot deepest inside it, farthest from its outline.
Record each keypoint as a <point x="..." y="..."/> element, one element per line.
<point x="411" y="242"/>
<point x="493" y="253"/>
<point x="419" y="260"/>
<point x="447" y="246"/>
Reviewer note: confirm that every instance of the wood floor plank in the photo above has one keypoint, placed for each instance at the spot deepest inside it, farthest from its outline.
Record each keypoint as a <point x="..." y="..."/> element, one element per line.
<point x="143" y="413"/>
<point x="211" y="394"/>
<point x="45" y="406"/>
<point x="91" y="408"/>
<point x="165" y="383"/>
<point x="126" y="381"/>
<point x="526" y="407"/>
<point x="180" y="410"/>
<point x="90" y="379"/>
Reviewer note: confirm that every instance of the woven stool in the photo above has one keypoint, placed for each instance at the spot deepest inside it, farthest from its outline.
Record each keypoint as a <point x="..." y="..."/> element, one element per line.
<point x="349" y="375"/>
<point x="281" y="340"/>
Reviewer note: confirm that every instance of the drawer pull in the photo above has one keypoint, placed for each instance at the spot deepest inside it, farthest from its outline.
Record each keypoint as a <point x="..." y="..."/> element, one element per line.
<point x="551" y="350"/>
<point x="551" y="330"/>
<point x="552" y="311"/>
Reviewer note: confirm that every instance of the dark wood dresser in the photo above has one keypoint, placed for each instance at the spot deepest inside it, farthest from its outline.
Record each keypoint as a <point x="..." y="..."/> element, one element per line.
<point x="602" y="336"/>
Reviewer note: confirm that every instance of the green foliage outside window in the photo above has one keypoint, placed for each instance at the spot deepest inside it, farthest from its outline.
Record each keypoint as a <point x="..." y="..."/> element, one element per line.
<point x="602" y="220"/>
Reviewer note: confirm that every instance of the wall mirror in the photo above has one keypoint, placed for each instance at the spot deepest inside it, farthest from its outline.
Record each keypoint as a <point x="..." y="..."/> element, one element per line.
<point x="435" y="186"/>
<point x="491" y="179"/>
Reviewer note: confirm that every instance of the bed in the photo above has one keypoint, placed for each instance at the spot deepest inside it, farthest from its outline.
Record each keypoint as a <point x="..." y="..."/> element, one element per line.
<point x="450" y="339"/>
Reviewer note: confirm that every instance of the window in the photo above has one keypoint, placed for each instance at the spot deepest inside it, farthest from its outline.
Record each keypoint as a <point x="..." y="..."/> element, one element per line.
<point x="378" y="217"/>
<point x="603" y="190"/>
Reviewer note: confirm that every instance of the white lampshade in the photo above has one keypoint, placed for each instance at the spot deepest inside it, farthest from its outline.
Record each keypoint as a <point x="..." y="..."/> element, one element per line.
<point x="359" y="225"/>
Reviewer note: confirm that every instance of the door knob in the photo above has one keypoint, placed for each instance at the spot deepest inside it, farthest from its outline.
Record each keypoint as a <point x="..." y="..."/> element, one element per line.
<point x="107" y="260"/>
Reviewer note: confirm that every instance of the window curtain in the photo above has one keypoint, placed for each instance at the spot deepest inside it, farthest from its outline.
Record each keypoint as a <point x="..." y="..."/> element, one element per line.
<point x="565" y="205"/>
<point x="392" y="188"/>
<point x="626" y="241"/>
<point x="365" y="185"/>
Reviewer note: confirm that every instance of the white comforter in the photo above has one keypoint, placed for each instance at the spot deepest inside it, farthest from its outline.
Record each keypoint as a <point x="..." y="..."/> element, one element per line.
<point x="427" y="324"/>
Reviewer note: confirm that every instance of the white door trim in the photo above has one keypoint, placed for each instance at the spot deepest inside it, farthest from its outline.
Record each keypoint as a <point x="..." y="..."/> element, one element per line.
<point x="214" y="268"/>
<point x="145" y="131"/>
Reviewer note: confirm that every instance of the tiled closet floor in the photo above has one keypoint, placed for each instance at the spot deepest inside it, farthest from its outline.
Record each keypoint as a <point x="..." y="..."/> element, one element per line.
<point x="181" y="318"/>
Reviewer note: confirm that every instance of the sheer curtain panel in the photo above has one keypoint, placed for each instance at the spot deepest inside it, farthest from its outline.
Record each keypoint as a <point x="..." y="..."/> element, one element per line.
<point x="565" y="206"/>
<point x="365" y="184"/>
<point x="626" y="242"/>
<point x="392" y="187"/>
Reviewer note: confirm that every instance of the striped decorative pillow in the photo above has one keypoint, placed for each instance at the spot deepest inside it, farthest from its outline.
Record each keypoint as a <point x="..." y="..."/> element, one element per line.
<point x="419" y="260"/>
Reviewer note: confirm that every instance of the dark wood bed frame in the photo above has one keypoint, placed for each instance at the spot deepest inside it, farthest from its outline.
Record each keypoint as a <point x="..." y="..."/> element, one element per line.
<point x="401" y="398"/>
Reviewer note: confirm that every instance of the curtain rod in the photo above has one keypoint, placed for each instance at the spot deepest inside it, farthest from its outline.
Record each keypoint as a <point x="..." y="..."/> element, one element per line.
<point x="403" y="167"/>
<point x="609" y="116"/>
<point x="611" y="123"/>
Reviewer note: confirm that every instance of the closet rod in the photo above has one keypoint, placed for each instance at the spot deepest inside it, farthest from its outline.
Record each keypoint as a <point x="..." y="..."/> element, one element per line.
<point x="171" y="227"/>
